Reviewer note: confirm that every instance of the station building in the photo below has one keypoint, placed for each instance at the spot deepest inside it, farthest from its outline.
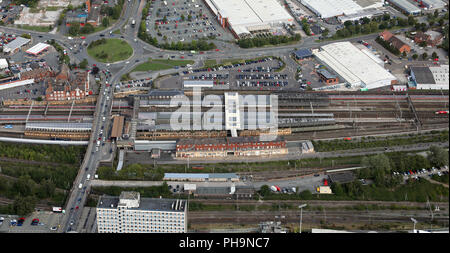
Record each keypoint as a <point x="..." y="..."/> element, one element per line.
<point x="129" y="213"/>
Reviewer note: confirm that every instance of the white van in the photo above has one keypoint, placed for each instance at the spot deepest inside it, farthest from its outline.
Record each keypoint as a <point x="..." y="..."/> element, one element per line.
<point x="88" y="176"/>
<point x="80" y="186"/>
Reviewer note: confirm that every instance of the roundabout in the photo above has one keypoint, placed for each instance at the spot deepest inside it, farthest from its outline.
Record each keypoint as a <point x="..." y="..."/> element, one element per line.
<point x="109" y="50"/>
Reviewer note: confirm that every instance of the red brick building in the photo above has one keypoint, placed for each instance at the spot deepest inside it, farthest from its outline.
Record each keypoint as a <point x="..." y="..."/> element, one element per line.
<point x="67" y="86"/>
<point x="395" y="42"/>
<point x="230" y="146"/>
<point x="432" y="39"/>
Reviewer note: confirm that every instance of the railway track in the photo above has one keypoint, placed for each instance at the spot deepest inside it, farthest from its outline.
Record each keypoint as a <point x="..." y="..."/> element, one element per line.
<point x="332" y="216"/>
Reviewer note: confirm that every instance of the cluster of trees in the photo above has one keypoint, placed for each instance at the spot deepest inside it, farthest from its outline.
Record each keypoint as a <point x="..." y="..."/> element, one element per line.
<point x="271" y="40"/>
<point x="83" y="64"/>
<point x="388" y="46"/>
<point x="96" y="43"/>
<point x="75" y="29"/>
<point x="28" y="3"/>
<point x="366" y="26"/>
<point x="372" y="142"/>
<point x="113" y="12"/>
<point x="45" y="153"/>
<point x="34" y="184"/>
<point x="306" y="27"/>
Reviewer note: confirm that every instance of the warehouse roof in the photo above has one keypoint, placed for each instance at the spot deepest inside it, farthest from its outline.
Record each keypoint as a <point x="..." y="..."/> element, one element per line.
<point x="17" y="43"/>
<point x="406" y="6"/>
<point x="355" y="66"/>
<point x="250" y="12"/>
<point x="326" y="74"/>
<point x="423" y="75"/>
<point x="331" y="8"/>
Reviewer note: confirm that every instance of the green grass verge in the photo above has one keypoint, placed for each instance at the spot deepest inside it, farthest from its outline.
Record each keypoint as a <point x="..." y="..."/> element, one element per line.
<point x="210" y="63"/>
<point x="112" y="51"/>
<point x="157" y="64"/>
<point x="116" y="31"/>
<point x="35" y="28"/>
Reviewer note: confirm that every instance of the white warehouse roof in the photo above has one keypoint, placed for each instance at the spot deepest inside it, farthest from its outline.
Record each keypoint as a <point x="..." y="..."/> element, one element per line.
<point x="354" y="65"/>
<point x="244" y="14"/>
<point x="331" y="8"/>
<point x="36" y="49"/>
<point x="3" y="63"/>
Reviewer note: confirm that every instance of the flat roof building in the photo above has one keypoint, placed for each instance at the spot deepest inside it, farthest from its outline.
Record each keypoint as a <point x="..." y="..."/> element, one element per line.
<point x="15" y="45"/>
<point x="3" y="63"/>
<point x="406" y="7"/>
<point x="246" y="16"/>
<point x="430" y="78"/>
<point x="129" y="213"/>
<point x="331" y="8"/>
<point x="357" y="67"/>
<point x="38" y="48"/>
<point x="303" y="54"/>
<point x="201" y="177"/>
<point x="433" y="4"/>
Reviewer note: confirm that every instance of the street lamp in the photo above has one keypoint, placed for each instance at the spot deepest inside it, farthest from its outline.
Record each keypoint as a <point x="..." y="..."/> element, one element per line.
<point x="301" y="215"/>
<point x="415" y="221"/>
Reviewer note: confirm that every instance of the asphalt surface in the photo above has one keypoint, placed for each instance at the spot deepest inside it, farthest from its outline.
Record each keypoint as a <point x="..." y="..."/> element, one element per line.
<point x="143" y="51"/>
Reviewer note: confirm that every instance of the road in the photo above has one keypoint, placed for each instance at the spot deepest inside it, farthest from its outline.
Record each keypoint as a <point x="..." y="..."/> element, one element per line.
<point x="141" y="52"/>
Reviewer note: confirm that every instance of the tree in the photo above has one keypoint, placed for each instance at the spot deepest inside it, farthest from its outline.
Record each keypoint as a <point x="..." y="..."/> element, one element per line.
<point x="83" y="64"/>
<point x="348" y="23"/>
<point x="189" y="18"/>
<point x="438" y="156"/>
<point x="325" y="32"/>
<point x="424" y="56"/>
<point x="23" y="186"/>
<point x="105" y="22"/>
<point x="306" y="194"/>
<point x="411" y="20"/>
<point x="415" y="56"/>
<point x="23" y="205"/>
<point x="48" y="187"/>
<point x="74" y="29"/>
<point x="182" y="17"/>
<point x="434" y="55"/>
<point x="264" y="190"/>
<point x="404" y="54"/>
<point x="423" y="44"/>
<point x="436" y="13"/>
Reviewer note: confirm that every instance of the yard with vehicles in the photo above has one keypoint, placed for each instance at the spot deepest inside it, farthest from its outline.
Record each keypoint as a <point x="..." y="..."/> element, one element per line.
<point x="179" y="26"/>
<point x="110" y="50"/>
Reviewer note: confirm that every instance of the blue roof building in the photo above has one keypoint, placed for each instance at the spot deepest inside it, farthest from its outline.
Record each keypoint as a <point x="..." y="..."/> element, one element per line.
<point x="303" y="53"/>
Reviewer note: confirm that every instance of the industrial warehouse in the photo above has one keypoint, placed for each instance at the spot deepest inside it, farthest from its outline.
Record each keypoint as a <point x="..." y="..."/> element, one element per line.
<point x="430" y="78"/>
<point x="332" y="8"/>
<point x="244" y="17"/>
<point x="358" y="67"/>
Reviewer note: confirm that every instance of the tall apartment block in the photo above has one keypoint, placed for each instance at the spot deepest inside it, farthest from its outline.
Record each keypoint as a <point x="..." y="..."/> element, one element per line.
<point x="128" y="213"/>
